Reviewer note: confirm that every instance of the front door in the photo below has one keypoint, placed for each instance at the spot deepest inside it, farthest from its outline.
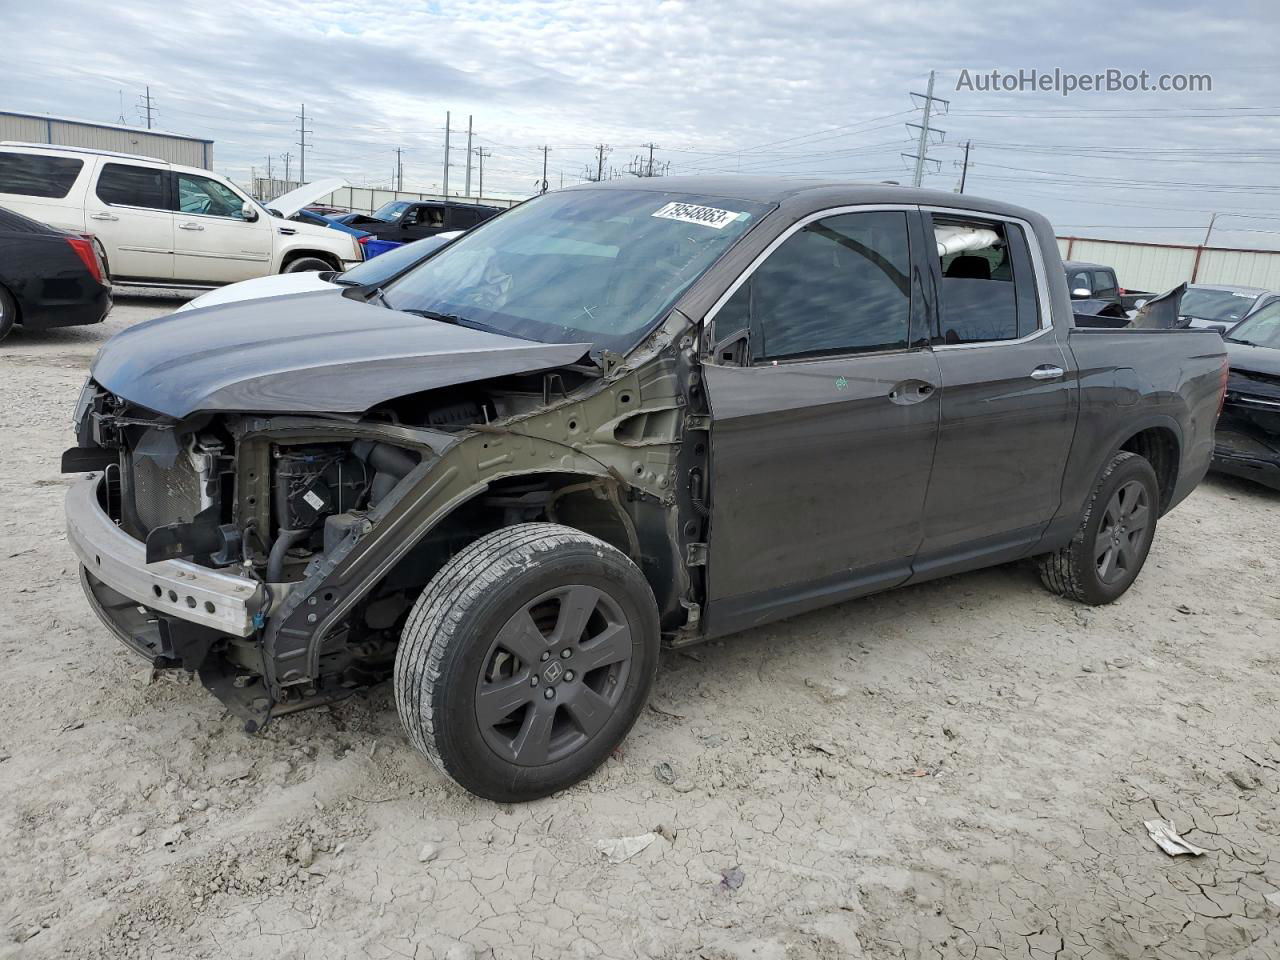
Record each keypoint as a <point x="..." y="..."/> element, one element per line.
<point x="213" y="243"/>
<point x="128" y="210"/>
<point x="822" y="441"/>
<point x="1008" y="400"/>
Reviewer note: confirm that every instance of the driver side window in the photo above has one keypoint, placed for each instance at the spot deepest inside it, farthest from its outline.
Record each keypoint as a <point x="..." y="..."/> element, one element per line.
<point x="208" y="197"/>
<point x="837" y="286"/>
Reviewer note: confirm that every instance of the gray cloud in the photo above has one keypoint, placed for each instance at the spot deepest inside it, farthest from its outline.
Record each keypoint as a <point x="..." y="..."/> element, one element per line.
<point x="796" y="88"/>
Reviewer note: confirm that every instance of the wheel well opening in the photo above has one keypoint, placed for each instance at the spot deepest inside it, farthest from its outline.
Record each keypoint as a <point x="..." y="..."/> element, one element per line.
<point x="581" y="502"/>
<point x="1160" y="448"/>
<point x="308" y="255"/>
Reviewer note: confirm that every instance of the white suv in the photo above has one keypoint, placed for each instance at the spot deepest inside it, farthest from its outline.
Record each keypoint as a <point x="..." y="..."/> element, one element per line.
<point x="165" y="225"/>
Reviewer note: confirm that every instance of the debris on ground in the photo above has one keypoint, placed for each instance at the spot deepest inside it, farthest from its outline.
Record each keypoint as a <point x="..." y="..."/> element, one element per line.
<point x="828" y="692"/>
<point x="732" y="878"/>
<point x="428" y="852"/>
<point x="619" y="849"/>
<point x="1243" y="779"/>
<point x="1166" y="837"/>
<point x="665" y="772"/>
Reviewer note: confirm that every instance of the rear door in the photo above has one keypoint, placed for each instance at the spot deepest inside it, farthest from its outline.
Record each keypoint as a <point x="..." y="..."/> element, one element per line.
<point x="822" y="437"/>
<point x="1008" y="397"/>
<point x="212" y="242"/>
<point x="128" y="208"/>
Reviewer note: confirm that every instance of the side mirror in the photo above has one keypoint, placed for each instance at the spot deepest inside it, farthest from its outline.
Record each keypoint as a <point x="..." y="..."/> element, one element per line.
<point x="1081" y="293"/>
<point x="248" y="212"/>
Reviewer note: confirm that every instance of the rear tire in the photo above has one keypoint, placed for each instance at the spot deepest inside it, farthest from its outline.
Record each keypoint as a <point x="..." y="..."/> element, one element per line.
<point x="305" y="264"/>
<point x="8" y="312"/>
<point x="1111" y="544"/>
<point x="526" y="660"/>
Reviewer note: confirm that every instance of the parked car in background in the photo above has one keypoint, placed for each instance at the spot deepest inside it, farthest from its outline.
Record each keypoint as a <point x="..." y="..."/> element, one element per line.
<point x="1094" y="285"/>
<point x="1247" y="441"/>
<point x="160" y="224"/>
<point x="1222" y="306"/>
<point x="405" y="220"/>
<point x="48" y="277"/>
<point x="618" y="414"/>
<point x="379" y="270"/>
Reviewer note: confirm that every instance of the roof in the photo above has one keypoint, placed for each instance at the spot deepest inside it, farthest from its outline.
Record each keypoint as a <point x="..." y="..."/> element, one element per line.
<point x="1228" y="288"/>
<point x="110" y="126"/>
<point x="1084" y="265"/>
<point x="812" y="194"/>
<point x="95" y="151"/>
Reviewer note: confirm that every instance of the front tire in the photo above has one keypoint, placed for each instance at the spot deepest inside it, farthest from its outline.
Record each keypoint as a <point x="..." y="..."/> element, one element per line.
<point x="1115" y="534"/>
<point x="305" y="264"/>
<point x="526" y="660"/>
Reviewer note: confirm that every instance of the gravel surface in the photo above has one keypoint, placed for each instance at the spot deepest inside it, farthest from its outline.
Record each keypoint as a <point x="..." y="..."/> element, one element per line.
<point x="960" y="769"/>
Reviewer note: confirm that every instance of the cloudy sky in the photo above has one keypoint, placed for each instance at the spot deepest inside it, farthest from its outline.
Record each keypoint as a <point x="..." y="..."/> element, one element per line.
<point x="797" y="88"/>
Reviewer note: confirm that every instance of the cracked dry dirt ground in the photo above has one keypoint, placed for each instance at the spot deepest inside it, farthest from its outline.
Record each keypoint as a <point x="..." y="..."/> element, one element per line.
<point x="956" y="770"/>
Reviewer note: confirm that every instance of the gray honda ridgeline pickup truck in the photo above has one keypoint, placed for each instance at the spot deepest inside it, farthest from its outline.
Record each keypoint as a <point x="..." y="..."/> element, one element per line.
<point x="616" y="416"/>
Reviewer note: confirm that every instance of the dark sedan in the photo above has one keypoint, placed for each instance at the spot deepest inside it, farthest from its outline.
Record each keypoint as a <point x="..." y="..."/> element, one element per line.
<point x="48" y="277"/>
<point x="1247" y="441"/>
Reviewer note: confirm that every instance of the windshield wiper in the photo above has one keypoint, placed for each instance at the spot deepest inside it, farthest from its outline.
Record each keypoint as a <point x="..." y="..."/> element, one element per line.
<point x="368" y="293"/>
<point x="442" y="317"/>
<point x="1247" y="343"/>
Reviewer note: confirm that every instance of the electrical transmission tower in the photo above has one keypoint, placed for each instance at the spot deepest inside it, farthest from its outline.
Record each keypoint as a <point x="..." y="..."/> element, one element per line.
<point x="302" y="145"/>
<point x="921" y="156"/>
<point x="147" y="106"/>
<point x="481" y="153"/>
<point x="286" y="157"/>
<point x="399" y="171"/>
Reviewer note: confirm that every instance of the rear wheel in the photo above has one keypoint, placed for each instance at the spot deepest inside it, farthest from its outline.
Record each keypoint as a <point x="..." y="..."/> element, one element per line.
<point x="526" y="660"/>
<point x="306" y="264"/>
<point x="8" y="312"/>
<point x="1115" y="534"/>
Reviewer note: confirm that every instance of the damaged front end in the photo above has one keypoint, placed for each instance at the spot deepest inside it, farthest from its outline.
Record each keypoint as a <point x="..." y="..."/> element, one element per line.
<point x="278" y="555"/>
<point x="1247" y="439"/>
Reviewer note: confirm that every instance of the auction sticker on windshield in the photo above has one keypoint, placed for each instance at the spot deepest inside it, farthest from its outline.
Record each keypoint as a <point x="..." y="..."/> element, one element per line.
<point x="692" y="213"/>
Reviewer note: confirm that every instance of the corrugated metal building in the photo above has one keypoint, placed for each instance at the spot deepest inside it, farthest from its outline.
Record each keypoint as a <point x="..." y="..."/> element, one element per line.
<point x="1157" y="267"/>
<point x="174" y="147"/>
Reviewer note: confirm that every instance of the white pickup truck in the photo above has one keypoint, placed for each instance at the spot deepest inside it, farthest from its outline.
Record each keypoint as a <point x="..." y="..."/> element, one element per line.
<point x="160" y="224"/>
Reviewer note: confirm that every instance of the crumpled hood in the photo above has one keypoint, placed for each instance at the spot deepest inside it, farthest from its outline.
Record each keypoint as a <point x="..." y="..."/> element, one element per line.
<point x="305" y="353"/>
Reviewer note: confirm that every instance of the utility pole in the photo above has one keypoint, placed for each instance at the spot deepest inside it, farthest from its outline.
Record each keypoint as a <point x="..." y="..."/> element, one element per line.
<point x="542" y="186"/>
<point x="964" y="171"/>
<point x="649" y="172"/>
<point x="148" y="106"/>
<point x="921" y="156"/>
<point x="1209" y="231"/>
<point x="447" y="120"/>
<point x="399" y="171"/>
<point x="302" y="145"/>
<point x="481" y="152"/>
<point x="271" y="184"/>
<point x="468" y="190"/>
<point x="286" y="157"/>
<point x="600" y="149"/>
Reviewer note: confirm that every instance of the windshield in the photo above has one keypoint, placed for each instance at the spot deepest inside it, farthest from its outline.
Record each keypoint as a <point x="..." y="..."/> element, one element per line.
<point x="390" y="211"/>
<point x="1224" y="305"/>
<point x="598" y="266"/>
<point x="1261" y="330"/>
<point x="386" y="265"/>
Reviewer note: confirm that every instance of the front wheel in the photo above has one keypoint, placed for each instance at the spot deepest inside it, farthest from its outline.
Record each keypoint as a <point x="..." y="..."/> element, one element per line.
<point x="1111" y="545"/>
<point x="526" y="660"/>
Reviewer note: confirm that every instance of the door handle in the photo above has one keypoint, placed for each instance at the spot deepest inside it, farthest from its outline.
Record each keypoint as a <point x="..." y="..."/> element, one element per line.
<point x="911" y="391"/>
<point x="103" y="216"/>
<point x="190" y="226"/>
<point x="1046" y="371"/>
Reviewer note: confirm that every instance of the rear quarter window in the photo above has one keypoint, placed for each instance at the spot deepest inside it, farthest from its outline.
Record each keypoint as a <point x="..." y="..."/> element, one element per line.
<point x="33" y="175"/>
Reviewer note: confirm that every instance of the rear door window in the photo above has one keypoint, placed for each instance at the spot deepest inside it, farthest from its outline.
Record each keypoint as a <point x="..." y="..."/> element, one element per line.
<point x="987" y="286"/>
<point x="126" y="185"/>
<point x="205" y="196"/>
<point x="33" y="175"/>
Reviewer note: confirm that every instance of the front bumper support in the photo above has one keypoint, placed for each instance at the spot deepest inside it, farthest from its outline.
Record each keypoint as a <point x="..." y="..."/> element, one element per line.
<point x="176" y="588"/>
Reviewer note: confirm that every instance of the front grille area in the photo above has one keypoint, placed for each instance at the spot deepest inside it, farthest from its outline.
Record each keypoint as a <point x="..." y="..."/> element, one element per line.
<point x="163" y="493"/>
